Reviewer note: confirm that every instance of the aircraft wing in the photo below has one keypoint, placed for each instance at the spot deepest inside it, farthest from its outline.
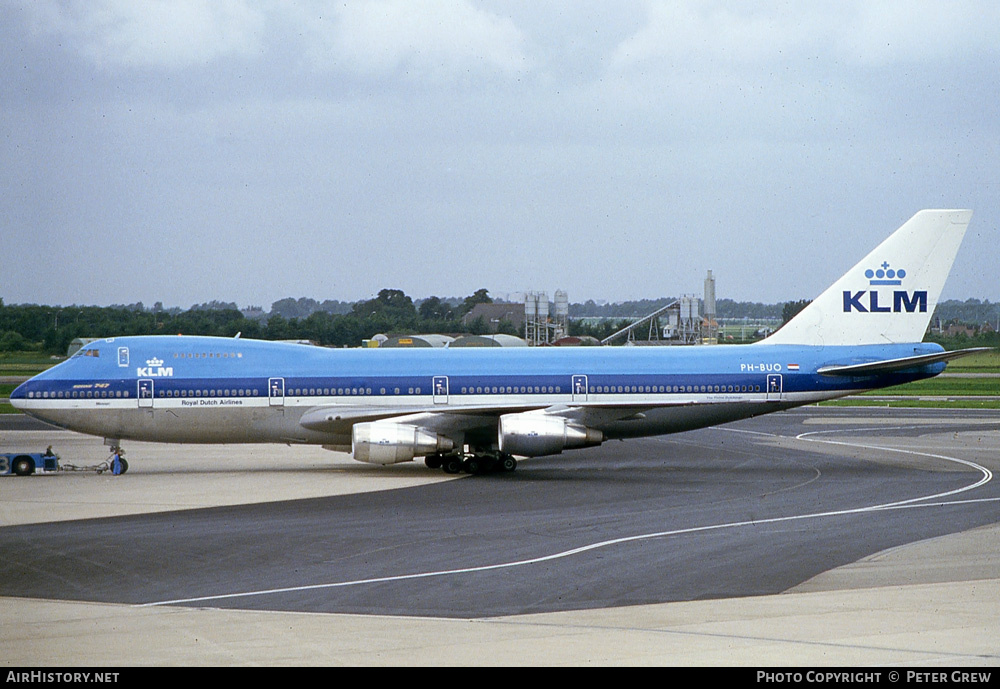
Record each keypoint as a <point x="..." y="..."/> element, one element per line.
<point x="339" y="419"/>
<point x="890" y="365"/>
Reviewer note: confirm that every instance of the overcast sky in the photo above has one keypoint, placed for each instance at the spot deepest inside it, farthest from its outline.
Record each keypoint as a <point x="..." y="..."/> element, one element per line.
<point x="248" y="151"/>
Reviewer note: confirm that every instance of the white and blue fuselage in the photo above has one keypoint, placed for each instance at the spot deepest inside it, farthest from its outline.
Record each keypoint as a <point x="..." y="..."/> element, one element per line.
<point x="219" y="390"/>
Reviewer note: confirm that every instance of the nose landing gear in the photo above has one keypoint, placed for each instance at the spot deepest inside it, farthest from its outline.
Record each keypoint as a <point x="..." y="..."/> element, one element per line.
<point x="116" y="462"/>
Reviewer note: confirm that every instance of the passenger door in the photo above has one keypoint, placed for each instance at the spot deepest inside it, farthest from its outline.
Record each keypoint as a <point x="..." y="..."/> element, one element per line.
<point x="439" y="386"/>
<point x="145" y="394"/>
<point x="774" y="387"/>
<point x="276" y="392"/>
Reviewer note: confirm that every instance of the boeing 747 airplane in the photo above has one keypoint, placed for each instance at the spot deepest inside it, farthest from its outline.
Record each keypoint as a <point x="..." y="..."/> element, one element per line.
<point x="478" y="410"/>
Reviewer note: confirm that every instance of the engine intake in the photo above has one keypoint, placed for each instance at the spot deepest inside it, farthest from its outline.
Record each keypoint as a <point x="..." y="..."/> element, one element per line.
<point x="534" y="435"/>
<point x="387" y="442"/>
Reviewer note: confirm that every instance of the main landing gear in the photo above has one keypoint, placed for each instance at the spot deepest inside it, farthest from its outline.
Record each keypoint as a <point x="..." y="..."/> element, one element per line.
<point x="475" y="463"/>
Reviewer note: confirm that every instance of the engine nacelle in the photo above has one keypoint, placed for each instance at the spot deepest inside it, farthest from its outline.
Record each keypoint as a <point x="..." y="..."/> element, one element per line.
<point x="387" y="442"/>
<point x="534" y="435"/>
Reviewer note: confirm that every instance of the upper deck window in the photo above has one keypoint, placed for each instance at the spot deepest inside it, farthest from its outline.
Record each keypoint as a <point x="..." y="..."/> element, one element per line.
<point x="208" y="355"/>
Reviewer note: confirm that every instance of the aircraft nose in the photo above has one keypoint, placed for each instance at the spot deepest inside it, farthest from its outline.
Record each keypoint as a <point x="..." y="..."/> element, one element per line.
<point x="18" y="395"/>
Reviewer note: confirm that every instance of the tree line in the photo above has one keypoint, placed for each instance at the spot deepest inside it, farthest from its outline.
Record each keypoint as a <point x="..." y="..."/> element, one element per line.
<point x="50" y="329"/>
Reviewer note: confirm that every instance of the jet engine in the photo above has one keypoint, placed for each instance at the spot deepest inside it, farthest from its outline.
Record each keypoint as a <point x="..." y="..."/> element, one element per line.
<point x="387" y="442"/>
<point x="533" y="435"/>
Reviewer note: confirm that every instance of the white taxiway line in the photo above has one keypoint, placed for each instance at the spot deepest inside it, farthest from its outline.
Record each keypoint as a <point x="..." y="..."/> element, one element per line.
<point x="987" y="476"/>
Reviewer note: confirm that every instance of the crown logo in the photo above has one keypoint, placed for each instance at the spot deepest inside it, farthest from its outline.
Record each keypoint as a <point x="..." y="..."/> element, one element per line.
<point x="154" y="362"/>
<point x="885" y="275"/>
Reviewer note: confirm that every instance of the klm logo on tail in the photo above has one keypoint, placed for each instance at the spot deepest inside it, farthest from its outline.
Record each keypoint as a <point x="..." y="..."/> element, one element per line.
<point x="902" y="301"/>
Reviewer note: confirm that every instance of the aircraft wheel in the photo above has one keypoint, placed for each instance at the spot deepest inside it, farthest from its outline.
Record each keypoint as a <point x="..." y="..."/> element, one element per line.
<point x="473" y="465"/>
<point x="452" y="465"/>
<point x="508" y="463"/>
<point x="24" y="466"/>
<point x="433" y="461"/>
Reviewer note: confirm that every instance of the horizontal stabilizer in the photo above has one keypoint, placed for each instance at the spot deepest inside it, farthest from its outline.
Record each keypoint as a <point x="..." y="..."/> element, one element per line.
<point x="890" y="365"/>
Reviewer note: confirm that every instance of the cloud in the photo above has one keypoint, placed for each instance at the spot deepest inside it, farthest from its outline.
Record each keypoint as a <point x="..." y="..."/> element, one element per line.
<point x="921" y="31"/>
<point x="417" y="38"/>
<point x="421" y="39"/>
<point x="142" y="34"/>
<point x="706" y="32"/>
<point x="656" y="128"/>
<point x="695" y="32"/>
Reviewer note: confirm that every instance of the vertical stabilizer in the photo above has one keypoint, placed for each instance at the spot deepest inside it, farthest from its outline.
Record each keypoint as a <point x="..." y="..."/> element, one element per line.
<point x="890" y="295"/>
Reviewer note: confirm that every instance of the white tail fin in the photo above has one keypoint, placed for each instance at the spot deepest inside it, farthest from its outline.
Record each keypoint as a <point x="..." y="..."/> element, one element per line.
<point x="891" y="294"/>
